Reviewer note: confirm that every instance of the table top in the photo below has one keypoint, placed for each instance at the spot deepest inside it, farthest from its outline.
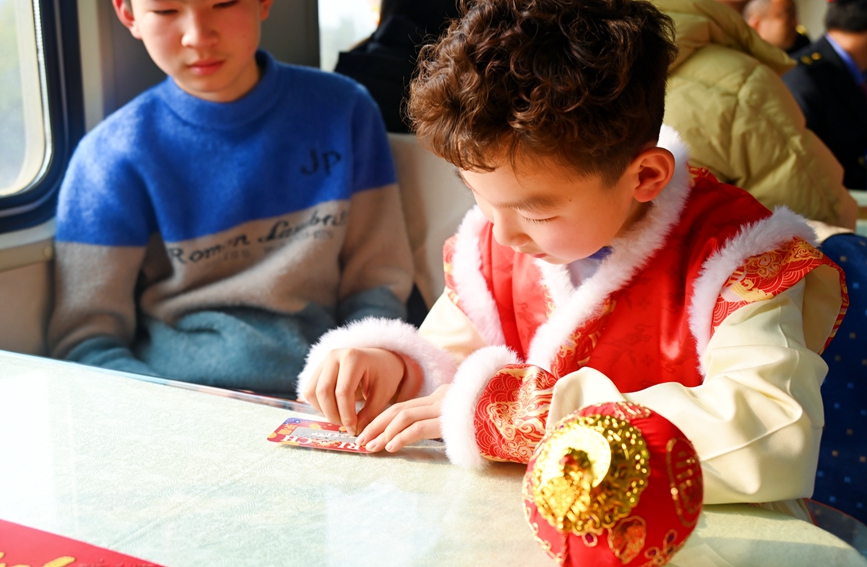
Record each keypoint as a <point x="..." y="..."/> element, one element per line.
<point x="186" y="478"/>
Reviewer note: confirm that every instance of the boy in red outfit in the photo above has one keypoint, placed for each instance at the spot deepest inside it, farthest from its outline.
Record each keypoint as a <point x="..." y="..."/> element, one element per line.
<point x="598" y="266"/>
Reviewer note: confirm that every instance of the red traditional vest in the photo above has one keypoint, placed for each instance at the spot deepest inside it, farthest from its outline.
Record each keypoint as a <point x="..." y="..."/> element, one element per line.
<point x="640" y="334"/>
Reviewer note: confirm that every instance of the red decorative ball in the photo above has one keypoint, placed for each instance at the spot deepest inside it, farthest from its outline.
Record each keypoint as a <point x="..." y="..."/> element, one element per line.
<point x="613" y="485"/>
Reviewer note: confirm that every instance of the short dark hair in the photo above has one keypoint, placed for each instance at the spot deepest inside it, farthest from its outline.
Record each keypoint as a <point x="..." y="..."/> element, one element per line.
<point x="581" y="82"/>
<point x="847" y="15"/>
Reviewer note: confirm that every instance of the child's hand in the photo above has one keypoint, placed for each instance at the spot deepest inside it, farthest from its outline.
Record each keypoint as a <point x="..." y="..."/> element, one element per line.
<point x="405" y="423"/>
<point x="355" y="374"/>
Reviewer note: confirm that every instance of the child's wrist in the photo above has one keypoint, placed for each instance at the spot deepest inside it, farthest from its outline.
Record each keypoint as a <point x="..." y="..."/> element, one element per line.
<point x="412" y="374"/>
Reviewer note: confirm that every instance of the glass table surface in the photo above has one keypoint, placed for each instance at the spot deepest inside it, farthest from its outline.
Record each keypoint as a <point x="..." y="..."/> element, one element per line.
<point x="186" y="478"/>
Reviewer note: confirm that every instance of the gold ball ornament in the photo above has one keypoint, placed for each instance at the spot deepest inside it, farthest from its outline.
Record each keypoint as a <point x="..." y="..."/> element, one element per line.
<point x="613" y="484"/>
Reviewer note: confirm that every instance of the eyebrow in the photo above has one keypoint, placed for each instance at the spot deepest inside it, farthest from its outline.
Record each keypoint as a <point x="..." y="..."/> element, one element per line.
<point x="535" y="204"/>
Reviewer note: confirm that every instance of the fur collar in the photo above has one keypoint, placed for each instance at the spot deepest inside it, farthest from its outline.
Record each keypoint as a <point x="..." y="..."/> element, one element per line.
<point x="631" y="252"/>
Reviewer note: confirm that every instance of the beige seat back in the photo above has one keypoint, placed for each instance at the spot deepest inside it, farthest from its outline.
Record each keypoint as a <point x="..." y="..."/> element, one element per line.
<point x="434" y="202"/>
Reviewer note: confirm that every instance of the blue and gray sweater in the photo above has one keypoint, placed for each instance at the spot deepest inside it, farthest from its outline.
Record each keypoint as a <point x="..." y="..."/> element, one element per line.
<point x="213" y="242"/>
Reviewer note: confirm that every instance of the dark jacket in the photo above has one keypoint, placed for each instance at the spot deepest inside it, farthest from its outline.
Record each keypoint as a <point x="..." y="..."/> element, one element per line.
<point x="384" y="63"/>
<point x="834" y="105"/>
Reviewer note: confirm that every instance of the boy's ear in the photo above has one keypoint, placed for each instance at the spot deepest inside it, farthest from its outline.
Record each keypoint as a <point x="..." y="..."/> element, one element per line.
<point x="654" y="168"/>
<point x="125" y="15"/>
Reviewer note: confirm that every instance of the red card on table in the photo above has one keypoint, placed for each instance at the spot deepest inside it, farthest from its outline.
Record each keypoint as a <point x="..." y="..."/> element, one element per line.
<point x="316" y="435"/>
<point x="20" y="545"/>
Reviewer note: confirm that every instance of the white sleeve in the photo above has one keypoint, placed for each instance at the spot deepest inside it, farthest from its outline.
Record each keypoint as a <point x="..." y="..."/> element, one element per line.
<point x="449" y="328"/>
<point x="757" y="419"/>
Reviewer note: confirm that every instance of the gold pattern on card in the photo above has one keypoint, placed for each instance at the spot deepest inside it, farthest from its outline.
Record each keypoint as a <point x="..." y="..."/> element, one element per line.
<point x="589" y="473"/>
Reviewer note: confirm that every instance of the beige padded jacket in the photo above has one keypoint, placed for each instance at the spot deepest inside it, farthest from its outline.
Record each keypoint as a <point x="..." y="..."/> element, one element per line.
<point x="727" y="100"/>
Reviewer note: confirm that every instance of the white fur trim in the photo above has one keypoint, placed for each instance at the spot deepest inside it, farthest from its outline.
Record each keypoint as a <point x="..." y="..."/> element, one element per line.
<point x="389" y="334"/>
<point x="557" y="280"/>
<point x="459" y="403"/>
<point x="631" y="252"/>
<point x="473" y="294"/>
<point x="757" y="238"/>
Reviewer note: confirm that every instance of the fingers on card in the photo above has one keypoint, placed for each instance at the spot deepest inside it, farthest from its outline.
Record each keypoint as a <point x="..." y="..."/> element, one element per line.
<point x="315" y="435"/>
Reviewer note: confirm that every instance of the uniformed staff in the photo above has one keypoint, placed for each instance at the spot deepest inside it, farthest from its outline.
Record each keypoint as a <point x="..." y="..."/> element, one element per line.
<point x="776" y="21"/>
<point x="802" y="40"/>
<point x="829" y="85"/>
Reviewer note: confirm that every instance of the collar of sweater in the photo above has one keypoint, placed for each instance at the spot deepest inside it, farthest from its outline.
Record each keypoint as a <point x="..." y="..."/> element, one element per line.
<point x="226" y="115"/>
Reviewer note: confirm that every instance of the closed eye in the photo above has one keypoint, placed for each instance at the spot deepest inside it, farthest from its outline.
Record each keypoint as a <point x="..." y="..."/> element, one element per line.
<point x="226" y="4"/>
<point x="538" y="221"/>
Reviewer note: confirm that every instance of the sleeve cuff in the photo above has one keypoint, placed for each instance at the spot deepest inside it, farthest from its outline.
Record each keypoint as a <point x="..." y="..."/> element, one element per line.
<point x="459" y="405"/>
<point x="389" y="334"/>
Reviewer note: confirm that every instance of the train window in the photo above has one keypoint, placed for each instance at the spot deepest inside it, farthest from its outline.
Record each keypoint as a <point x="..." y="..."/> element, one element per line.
<point x="24" y="140"/>
<point x="342" y="24"/>
<point x="41" y="110"/>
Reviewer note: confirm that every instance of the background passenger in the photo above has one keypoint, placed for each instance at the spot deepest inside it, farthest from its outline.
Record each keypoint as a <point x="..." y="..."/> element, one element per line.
<point x="829" y="85"/>
<point x="386" y="61"/>
<point x="776" y="21"/>
<point x="215" y="226"/>
<point x="726" y="99"/>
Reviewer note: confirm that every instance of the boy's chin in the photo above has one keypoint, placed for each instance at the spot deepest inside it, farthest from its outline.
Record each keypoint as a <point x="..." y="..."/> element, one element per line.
<point x="553" y="260"/>
<point x="550" y="259"/>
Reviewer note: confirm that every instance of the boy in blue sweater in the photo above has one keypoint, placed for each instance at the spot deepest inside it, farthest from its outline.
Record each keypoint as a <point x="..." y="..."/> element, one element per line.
<point x="214" y="227"/>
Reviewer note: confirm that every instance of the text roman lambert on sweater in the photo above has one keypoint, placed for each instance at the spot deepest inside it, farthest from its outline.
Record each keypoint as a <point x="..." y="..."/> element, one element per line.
<point x="314" y="227"/>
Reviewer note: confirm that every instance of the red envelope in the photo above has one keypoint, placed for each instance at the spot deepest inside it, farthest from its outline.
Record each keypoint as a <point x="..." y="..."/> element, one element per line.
<point x="20" y="545"/>
<point x="315" y="435"/>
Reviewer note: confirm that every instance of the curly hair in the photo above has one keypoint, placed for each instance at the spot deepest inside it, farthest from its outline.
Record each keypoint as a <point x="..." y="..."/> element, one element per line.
<point x="579" y="82"/>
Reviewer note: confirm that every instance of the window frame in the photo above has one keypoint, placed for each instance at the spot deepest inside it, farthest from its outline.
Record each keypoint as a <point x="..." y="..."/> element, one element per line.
<point x="60" y="54"/>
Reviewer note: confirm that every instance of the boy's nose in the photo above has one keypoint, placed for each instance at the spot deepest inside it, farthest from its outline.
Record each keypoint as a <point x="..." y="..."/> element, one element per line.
<point x="507" y="232"/>
<point x="198" y="32"/>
